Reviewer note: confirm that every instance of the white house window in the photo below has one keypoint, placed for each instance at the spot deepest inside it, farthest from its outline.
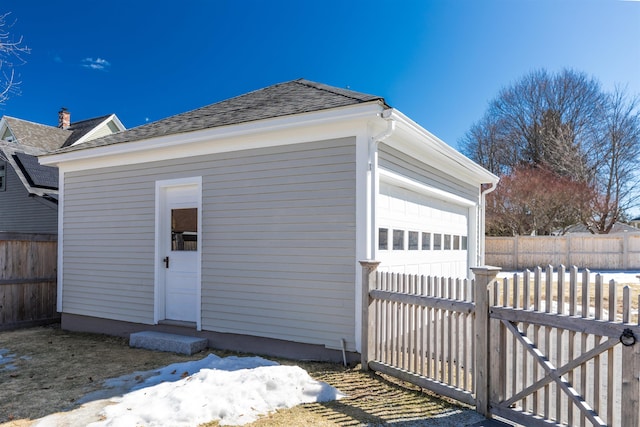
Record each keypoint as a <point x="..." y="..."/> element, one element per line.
<point x="464" y="243"/>
<point x="398" y="240"/>
<point x="383" y="239"/>
<point x="456" y="243"/>
<point x="414" y="238"/>
<point x="3" y="176"/>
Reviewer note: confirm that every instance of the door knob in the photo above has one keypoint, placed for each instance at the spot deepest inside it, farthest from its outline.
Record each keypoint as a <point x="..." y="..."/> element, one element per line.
<point x="166" y="262"/>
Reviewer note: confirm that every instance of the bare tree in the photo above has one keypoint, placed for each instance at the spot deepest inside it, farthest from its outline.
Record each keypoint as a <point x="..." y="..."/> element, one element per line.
<point x="541" y="119"/>
<point x="615" y="160"/>
<point x="566" y="124"/>
<point x="12" y="51"/>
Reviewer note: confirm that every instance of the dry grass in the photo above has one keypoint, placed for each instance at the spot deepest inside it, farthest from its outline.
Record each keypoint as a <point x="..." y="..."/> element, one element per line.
<point x="372" y="399"/>
<point x="54" y="368"/>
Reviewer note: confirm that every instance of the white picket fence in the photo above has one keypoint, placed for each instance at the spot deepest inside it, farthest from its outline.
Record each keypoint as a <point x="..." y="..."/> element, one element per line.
<point x="538" y="348"/>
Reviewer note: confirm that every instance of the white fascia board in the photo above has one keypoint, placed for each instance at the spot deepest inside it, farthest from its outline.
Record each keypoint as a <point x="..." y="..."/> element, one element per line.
<point x="326" y="124"/>
<point x="118" y="123"/>
<point x="420" y="188"/>
<point x="416" y="141"/>
<point x="87" y="136"/>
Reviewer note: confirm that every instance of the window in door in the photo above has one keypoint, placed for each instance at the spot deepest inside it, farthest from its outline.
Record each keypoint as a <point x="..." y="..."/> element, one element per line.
<point x="184" y="229"/>
<point x="383" y="239"/>
<point x="426" y="241"/>
<point x="398" y="240"/>
<point x="437" y="241"/>
<point x="414" y="238"/>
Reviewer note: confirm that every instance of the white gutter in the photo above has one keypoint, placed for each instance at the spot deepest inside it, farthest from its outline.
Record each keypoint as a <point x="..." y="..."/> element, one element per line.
<point x="431" y="150"/>
<point x="373" y="144"/>
<point x="481" y="228"/>
<point x="374" y="178"/>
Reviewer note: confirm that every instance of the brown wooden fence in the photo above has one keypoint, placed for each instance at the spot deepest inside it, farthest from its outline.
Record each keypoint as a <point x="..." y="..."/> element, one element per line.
<point x="28" y="285"/>
<point x="537" y="348"/>
<point x="602" y="252"/>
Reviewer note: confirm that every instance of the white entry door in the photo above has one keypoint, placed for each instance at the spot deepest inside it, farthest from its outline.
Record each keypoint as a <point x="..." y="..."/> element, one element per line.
<point x="179" y="246"/>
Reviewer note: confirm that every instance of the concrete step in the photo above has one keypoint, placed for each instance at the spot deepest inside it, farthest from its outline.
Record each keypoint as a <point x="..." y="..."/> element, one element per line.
<point x="162" y="341"/>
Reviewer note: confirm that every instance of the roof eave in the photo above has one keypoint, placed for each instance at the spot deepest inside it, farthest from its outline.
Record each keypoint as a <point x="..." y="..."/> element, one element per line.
<point x="365" y="110"/>
<point x="432" y="150"/>
<point x="24" y="180"/>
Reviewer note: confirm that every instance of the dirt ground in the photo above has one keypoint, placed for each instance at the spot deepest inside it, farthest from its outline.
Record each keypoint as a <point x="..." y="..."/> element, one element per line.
<point x="46" y="370"/>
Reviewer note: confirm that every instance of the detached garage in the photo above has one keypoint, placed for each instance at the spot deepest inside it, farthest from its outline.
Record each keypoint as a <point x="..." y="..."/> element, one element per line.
<point x="244" y="221"/>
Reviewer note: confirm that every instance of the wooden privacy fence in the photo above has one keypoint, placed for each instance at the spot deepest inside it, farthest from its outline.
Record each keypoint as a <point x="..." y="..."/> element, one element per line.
<point x="538" y="348"/>
<point x="602" y="251"/>
<point x="27" y="280"/>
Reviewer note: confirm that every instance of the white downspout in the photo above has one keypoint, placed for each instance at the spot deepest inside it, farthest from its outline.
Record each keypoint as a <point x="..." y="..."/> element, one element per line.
<point x="374" y="178"/>
<point x="481" y="228"/>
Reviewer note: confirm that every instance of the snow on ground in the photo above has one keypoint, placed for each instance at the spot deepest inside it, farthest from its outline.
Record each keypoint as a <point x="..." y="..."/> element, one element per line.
<point x="6" y="360"/>
<point x="234" y="390"/>
<point x="607" y="275"/>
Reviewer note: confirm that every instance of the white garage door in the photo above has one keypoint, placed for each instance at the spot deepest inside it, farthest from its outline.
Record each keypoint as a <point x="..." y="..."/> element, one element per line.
<point x="419" y="234"/>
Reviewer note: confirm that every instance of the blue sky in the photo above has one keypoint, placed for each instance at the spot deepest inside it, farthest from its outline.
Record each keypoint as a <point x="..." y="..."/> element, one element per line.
<point x="438" y="61"/>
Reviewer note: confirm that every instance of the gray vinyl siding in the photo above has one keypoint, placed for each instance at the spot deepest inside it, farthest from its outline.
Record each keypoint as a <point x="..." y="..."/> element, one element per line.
<point x="396" y="161"/>
<point x="278" y="243"/>
<point x="108" y="244"/>
<point x="21" y="213"/>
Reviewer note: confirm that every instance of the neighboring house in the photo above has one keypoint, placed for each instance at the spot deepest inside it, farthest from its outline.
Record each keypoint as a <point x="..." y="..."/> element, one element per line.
<point x="28" y="190"/>
<point x="617" y="228"/>
<point x="244" y="221"/>
<point x="635" y="222"/>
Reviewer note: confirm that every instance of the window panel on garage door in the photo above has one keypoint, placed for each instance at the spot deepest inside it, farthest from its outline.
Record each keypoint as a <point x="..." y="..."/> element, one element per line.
<point x="428" y="236"/>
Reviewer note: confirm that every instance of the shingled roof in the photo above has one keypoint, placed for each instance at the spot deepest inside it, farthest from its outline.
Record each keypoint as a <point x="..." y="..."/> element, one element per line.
<point x="45" y="177"/>
<point x="40" y="138"/>
<point x="283" y="99"/>
<point x="37" y="138"/>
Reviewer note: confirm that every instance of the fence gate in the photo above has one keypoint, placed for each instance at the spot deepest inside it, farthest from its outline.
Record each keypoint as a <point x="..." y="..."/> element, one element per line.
<point x="522" y="348"/>
<point x="564" y="350"/>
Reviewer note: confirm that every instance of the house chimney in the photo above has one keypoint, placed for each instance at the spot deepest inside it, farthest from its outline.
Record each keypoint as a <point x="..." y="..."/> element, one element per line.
<point x="64" y="118"/>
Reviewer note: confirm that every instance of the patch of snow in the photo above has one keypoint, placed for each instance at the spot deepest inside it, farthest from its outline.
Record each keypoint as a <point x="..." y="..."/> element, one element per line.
<point x="622" y="276"/>
<point x="233" y="390"/>
<point x="6" y="360"/>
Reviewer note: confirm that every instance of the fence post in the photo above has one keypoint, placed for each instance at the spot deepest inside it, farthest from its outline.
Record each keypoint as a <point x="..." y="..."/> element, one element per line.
<point x="516" y="257"/>
<point x="630" y="374"/>
<point x="369" y="268"/>
<point x="483" y="277"/>
<point x="625" y="251"/>
<point x="630" y="385"/>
